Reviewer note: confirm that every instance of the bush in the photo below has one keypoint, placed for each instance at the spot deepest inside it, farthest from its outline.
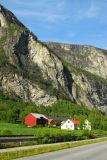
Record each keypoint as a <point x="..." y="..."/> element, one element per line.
<point x="52" y="135"/>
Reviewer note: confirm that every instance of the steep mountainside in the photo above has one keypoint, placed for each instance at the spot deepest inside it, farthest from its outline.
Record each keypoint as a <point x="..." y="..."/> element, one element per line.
<point x="87" y="57"/>
<point x="44" y="73"/>
<point x="27" y="68"/>
<point x="88" y="68"/>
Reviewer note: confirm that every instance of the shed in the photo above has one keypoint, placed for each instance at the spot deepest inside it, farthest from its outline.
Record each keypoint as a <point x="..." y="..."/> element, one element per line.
<point x="34" y="119"/>
<point x="87" y="125"/>
<point x="52" y="122"/>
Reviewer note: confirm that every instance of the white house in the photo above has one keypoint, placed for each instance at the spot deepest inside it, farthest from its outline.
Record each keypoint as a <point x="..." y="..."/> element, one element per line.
<point x="70" y="124"/>
<point x="87" y="125"/>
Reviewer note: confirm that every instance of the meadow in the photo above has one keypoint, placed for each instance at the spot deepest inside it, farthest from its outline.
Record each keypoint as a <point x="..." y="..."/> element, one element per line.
<point x="11" y="129"/>
<point x="44" y="135"/>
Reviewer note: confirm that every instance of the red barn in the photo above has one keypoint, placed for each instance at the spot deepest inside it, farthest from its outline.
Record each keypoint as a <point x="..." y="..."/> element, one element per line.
<point x="34" y="119"/>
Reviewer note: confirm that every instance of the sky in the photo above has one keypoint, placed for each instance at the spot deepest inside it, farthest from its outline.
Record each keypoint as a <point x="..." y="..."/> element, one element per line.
<point x="67" y="21"/>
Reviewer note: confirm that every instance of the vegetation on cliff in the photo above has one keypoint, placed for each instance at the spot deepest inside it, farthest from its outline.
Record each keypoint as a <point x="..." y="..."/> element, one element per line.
<point x="88" y="74"/>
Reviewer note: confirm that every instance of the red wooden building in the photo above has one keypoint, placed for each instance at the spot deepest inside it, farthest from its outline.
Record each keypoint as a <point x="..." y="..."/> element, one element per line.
<point x="52" y="122"/>
<point x="34" y="119"/>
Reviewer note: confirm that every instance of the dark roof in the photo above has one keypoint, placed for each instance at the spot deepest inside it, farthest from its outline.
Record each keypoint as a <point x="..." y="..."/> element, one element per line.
<point x="57" y="118"/>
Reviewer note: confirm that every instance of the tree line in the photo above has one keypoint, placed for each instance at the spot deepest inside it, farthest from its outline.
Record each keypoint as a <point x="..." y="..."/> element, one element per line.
<point x="14" y="110"/>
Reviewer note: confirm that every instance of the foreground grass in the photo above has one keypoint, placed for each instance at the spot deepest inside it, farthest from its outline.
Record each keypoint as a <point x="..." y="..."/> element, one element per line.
<point x="34" y="151"/>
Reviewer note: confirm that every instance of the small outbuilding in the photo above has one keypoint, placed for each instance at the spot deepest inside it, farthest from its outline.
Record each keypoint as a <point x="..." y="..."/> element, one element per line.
<point x="70" y="124"/>
<point x="52" y="122"/>
<point x="34" y="119"/>
<point x="57" y="119"/>
<point x="87" y="125"/>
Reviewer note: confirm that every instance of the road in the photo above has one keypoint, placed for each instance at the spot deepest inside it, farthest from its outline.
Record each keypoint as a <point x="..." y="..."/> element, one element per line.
<point x="96" y="151"/>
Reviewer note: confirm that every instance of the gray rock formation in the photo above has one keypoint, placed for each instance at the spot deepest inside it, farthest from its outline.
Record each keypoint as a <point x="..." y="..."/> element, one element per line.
<point x="44" y="73"/>
<point x="89" y="58"/>
<point x="22" y="52"/>
<point x="88" y="68"/>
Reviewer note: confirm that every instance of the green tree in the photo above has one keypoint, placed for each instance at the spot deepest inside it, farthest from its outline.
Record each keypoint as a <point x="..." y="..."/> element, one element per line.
<point x="95" y="117"/>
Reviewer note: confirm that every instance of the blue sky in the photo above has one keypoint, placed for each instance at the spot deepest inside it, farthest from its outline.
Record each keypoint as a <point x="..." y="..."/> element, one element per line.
<point x="69" y="21"/>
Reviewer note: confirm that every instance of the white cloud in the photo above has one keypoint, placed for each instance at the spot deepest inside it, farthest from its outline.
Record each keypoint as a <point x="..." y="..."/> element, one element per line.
<point x="46" y="16"/>
<point x="48" y="10"/>
<point x="91" y="12"/>
<point x="28" y="3"/>
<point x="54" y="4"/>
<point x="56" y="11"/>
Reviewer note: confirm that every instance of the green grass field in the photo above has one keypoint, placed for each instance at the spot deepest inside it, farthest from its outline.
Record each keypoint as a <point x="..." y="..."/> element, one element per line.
<point x="15" y="129"/>
<point x="10" y="129"/>
<point x="45" y="135"/>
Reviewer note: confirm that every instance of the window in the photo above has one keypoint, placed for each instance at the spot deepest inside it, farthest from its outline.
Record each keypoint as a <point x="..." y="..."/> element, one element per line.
<point x="66" y="126"/>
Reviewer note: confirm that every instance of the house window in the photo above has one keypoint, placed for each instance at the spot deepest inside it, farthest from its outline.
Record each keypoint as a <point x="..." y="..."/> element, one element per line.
<point x="66" y="126"/>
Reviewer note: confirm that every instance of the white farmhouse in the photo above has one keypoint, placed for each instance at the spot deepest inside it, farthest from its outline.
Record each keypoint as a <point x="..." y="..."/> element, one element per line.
<point x="70" y="124"/>
<point x="87" y="125"/>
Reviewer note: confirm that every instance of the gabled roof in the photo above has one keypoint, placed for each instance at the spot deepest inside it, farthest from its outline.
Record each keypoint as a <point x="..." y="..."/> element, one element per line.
<point x="63" y="122"/>
<point x="36" y="115"/>
<point x="57" y="118"/>
<point x="51" y="120"/>
<point x="75" y="121"/>
<point x="72" y="120"/>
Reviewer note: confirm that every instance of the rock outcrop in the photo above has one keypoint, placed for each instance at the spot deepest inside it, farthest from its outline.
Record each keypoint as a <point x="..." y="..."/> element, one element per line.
<point x="88" y="69"/>
<point x="87" y="57"/>
<point x="25" y="89"/>
<point x="44" y="73"/>
<point x="23" y="52"/>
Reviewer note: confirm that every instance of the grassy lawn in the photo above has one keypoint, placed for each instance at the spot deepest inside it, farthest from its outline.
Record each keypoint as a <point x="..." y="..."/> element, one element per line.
<point x="10" y="129"/>
<point x="15" y="129"/>
<point x="7" y="129"/>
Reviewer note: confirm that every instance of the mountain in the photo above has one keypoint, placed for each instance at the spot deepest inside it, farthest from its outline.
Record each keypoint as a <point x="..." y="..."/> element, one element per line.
<point x="87" y="66"/>
<point x="46" y="72"/>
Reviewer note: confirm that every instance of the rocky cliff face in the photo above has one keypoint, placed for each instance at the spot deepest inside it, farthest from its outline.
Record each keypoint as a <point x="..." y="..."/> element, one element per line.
<point x="23" y="53"/>
<point x="89" y="58"/>
<point x="25" y="89"/>
<point x="88" y="68"/>
<point x="44" y="73"/>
